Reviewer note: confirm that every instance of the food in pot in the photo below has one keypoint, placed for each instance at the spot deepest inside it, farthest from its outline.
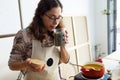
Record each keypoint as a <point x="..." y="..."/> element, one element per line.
<point x="93" y="70"/>
<point x="93" y="66"/>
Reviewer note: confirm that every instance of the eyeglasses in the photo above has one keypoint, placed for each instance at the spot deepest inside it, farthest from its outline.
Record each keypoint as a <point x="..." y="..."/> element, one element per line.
<point x="54" y="19"/>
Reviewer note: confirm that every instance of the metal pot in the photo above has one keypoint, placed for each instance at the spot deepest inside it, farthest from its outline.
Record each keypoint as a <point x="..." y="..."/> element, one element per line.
<point x="93" y="70"/>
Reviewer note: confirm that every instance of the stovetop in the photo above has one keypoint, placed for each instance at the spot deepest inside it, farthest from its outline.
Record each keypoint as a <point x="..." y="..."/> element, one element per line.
<point x="79" y="76"/>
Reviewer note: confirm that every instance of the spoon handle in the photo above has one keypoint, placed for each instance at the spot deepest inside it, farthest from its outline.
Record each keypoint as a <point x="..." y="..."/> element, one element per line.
<point x="75" y="64"/>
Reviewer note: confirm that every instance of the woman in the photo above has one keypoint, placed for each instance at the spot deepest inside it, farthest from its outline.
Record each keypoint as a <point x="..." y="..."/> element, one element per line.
<point x="37" y="42"/>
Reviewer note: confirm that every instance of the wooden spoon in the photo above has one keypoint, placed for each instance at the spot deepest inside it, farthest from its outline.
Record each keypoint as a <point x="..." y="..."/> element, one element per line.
<point x="86" y="67"/>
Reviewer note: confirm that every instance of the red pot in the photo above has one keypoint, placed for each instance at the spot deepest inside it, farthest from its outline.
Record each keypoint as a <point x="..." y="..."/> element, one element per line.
<point x="97" y="70"/>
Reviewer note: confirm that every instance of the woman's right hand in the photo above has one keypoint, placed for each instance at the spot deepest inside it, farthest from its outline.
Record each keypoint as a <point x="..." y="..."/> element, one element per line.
<point x="35" y="65"/>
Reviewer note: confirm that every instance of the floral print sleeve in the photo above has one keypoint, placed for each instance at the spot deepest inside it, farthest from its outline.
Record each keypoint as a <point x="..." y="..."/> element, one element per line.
<point x="20" y="50"/>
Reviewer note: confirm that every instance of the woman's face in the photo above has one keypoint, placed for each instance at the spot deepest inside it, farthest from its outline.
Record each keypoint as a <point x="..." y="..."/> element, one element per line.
<point x="52" y="18"/>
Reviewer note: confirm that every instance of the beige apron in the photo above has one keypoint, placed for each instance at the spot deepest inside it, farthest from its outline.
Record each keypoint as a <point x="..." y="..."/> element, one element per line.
<point x="50" y="55"/>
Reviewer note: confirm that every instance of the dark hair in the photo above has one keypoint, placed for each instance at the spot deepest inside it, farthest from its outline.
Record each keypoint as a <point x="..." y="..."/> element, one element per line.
<point x="37" y="26"/>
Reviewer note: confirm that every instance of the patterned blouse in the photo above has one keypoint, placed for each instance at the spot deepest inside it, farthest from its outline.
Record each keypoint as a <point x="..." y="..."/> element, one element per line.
<point x="22" y="46"/>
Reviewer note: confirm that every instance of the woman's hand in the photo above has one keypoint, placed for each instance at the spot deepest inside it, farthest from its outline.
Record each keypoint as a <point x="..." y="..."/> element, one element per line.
<point x="36" y="68"/>
<point x="35" y="65"/>
<point x="66" y="36"/>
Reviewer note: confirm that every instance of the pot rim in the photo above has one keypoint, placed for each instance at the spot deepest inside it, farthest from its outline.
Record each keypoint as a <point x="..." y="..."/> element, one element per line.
<point x="98" y="63"/>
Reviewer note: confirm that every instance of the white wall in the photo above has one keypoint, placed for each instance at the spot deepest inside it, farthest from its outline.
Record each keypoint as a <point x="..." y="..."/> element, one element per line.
<point x="28" y="11"/>
<point x="101" y="26"/>
<point x="83" y="8"/>
<point x="75" y="7"/>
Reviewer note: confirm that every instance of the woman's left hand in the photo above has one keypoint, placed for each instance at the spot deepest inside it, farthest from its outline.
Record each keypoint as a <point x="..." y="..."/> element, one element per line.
<point x="35" y="66"/>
